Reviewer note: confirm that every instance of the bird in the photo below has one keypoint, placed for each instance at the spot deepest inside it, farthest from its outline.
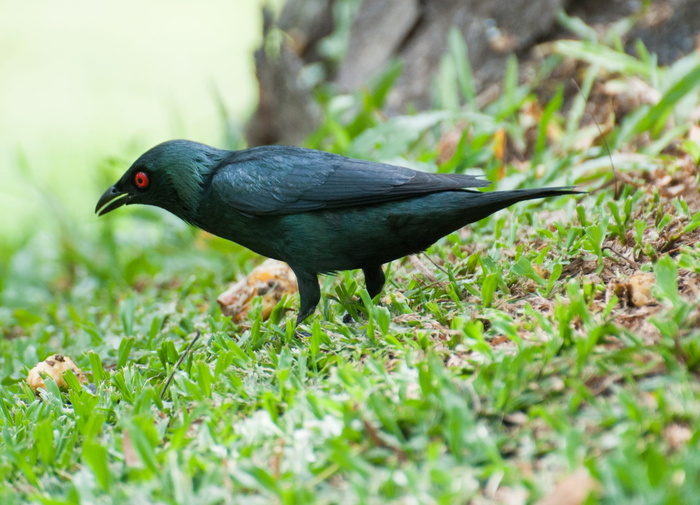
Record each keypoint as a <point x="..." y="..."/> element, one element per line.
<point x="319" y="212"/>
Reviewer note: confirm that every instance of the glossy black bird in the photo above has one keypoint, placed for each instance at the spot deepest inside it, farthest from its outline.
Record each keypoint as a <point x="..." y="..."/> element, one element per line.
<point x="317" y="211"/>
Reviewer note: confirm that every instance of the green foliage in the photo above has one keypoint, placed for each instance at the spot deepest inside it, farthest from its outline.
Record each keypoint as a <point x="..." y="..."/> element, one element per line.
<point x="517" y="363"/>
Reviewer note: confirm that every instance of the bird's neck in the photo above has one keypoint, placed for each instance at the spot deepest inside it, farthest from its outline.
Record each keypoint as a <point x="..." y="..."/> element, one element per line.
<point x="189" y="182"/>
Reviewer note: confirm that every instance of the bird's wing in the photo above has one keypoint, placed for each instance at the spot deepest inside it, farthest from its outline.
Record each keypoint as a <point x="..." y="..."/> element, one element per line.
<point x="288" y="180"/>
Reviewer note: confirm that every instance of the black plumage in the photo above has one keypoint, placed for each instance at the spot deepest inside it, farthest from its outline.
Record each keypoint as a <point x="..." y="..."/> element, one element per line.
<point x="317" y="211"/>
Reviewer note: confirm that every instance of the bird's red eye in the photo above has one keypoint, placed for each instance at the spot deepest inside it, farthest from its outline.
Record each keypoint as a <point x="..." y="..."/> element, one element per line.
<point x="141" y="180"/>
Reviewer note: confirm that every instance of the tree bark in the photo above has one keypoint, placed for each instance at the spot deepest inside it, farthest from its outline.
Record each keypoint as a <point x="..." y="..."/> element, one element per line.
<point x="416" y="32"/>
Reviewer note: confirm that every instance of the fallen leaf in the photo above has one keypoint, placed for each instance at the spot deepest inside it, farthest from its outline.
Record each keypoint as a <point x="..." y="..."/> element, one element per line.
<point x="130" y="457"/>
<point x="499" y="145"/>
<point x="511" y="496"/>
<point x="571" y="490"/>
<point x="677" y="435"/>
<point x="447" y="144"/>
<point x="640" y="285"/>
<point x="270" y="280"/>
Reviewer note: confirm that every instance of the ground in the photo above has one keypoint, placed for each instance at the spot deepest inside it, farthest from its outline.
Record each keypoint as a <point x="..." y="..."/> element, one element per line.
<point x="548" y="354"/>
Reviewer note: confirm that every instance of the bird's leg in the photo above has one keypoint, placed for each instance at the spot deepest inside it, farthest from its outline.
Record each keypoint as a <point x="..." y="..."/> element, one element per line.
<point x="309" y="293"/>
<point x="374" y="280"/>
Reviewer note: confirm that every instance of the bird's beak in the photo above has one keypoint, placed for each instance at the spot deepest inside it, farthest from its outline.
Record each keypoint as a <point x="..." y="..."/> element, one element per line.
<point x="112" y="199"/>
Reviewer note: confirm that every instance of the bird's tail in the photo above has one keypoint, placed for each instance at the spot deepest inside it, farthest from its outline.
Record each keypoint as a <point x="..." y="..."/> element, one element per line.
<point x="493" y="201"/>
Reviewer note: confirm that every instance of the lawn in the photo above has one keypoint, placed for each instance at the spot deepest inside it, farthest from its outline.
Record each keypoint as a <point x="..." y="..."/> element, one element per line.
<point x="548" y="354"/>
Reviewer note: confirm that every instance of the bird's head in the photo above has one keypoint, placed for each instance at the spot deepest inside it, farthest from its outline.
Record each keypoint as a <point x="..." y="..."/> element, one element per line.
<point x="170" y="175"/>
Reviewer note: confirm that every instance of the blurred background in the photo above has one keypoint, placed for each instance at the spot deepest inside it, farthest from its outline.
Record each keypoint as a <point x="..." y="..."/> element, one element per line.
<point x="86" y="82"/>
<point x="87" y="87"/>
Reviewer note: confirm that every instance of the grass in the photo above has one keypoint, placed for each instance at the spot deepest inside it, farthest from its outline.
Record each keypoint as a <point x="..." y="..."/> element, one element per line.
<point x="551" y="350"/>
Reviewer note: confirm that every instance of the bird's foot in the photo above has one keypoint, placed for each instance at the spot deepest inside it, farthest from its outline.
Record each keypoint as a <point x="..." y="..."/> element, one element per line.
<point x="301" y="334"/>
